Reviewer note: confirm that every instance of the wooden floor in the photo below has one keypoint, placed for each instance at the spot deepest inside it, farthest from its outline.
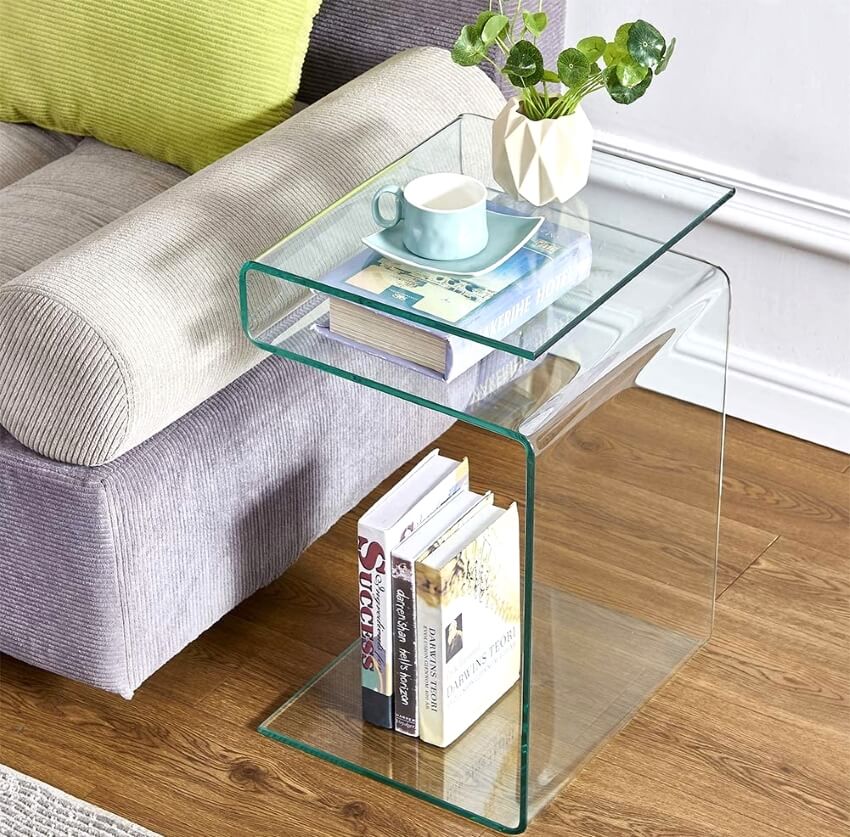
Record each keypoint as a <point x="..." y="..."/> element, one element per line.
<point x="751" y="739"/>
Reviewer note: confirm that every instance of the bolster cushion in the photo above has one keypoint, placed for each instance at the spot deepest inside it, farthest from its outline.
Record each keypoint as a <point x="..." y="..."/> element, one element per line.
<point x="110" y="341"/>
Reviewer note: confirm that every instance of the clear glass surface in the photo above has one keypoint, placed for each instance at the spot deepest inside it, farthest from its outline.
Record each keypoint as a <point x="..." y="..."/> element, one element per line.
<point x="603" y="419"/>
<point x="636" y="210"/>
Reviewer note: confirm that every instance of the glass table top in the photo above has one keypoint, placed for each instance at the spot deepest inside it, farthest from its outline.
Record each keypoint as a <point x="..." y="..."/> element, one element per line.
<point x="631" y="213"/>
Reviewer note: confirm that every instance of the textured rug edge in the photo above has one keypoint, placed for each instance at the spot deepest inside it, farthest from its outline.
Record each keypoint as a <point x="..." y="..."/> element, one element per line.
<point x="32" y="808"/>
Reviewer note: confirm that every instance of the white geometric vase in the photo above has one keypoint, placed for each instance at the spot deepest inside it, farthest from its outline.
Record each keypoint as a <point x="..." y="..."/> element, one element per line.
<point x="541" y="160"/>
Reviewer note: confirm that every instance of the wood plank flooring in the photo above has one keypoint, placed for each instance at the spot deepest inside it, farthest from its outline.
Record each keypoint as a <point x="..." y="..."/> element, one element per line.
<point x="751" y="739"/>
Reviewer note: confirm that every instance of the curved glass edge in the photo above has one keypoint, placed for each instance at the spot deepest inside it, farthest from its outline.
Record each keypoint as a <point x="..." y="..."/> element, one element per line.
<point x="603" y="298"/>
<point x="531" y="813"/>
<point x="525" y="812"/>
<point x="722" y="452"/>
<point x="386" y="780"/>
<point x="368" y="382"/>
<point x="449" y="328"/>
<point x="526" y="437"/>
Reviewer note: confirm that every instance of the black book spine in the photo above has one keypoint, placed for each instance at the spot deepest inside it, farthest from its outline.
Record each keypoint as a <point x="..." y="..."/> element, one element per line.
<point x="404" y="647"/>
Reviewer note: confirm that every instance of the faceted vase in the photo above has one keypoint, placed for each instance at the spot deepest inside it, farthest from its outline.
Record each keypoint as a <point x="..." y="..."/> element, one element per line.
<point x="542" y="160"/>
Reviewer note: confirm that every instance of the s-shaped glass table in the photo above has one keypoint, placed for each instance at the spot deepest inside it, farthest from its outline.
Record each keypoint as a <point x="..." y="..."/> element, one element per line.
<point x="603" y="417"/>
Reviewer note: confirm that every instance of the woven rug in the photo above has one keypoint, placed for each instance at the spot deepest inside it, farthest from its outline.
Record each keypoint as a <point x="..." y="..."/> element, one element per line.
<point x="29" y="808"/>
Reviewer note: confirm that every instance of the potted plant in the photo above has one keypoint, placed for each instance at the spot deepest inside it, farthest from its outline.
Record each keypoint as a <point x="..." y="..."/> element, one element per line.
<point x="542" y="139"/>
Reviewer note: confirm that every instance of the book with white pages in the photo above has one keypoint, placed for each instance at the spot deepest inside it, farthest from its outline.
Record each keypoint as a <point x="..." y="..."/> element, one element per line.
<point x="431" y="482"/>
<point x="468" y="624"/>
<point x="438" y="528"/>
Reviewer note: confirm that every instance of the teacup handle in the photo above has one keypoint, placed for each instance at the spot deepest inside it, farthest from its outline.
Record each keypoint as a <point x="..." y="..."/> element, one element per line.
<point x="396" y="192"/>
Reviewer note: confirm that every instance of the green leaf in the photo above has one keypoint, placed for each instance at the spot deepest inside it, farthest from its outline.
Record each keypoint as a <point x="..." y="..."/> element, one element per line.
<point x="592" y="48"/>
<point x="622" y="36"/>
<point x="482" y="20"/>
<point x="494" y="28"/>
<point x="469" y="49"/>
<point x="626" y="95"/>
<point x="535" y="22"/>
<point x="573" y="67"/>
<point x="524" y="64"/>
<point x="594" y="69"/>
<point x="548" y="75"/>
<point x="614" y="53"/>
<point x="646" y="44"/>
<point x="630" y="73"/>
<point x="662" y="64"/>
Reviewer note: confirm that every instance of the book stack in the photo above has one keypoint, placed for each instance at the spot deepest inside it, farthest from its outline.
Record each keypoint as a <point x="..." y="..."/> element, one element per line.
<point x="438" y="573"/>
<point x="493" y="305"/>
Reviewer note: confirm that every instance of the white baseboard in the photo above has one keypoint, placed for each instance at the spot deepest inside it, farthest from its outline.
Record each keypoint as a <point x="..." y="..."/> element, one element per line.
<point x="779" y="396"/>
<point x="764" y="386"/>
<point x="803" y="218"/>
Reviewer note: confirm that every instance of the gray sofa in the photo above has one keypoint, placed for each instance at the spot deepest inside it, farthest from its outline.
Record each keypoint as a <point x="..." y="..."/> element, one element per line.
<point x="155" y="469"/>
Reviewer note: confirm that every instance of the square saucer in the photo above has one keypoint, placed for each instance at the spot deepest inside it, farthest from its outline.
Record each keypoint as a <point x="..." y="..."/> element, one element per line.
<point x="507" y="233"/>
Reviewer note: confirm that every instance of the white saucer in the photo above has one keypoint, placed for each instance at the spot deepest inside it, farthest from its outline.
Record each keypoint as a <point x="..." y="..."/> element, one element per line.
<point x="507" y="233"/>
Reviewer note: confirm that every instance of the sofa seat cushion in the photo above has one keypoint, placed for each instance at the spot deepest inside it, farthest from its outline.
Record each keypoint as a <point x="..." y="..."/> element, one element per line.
<point x="25" y="148"/>
<point x="108" y="572"/>
<point x="62" y="202"/>
<point x="110" y="341"/>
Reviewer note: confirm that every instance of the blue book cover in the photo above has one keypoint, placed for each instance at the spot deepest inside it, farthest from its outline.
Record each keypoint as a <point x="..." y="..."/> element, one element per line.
<point x="494" y="304"/>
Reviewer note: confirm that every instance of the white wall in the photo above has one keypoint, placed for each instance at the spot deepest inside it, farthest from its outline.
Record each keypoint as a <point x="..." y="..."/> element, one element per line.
<point x="757" y="95"/>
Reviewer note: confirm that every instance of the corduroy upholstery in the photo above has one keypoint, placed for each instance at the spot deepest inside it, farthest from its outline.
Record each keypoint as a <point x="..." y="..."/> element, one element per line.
<point x="349" y="36"/>
<point x="126" y="563"/>
<point x="179" y="82"/>
<point x="25" y="148"/>
<point x="108" y="571"/>
<point x="111" y="340"/>
<point x="62" y="202"/>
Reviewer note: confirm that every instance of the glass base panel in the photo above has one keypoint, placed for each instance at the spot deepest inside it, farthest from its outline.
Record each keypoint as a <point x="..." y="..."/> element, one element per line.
<point x="593" y="668"/>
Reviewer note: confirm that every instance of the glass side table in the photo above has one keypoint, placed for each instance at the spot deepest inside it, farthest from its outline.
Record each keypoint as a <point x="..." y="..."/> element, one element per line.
<point x="603" y="417"/>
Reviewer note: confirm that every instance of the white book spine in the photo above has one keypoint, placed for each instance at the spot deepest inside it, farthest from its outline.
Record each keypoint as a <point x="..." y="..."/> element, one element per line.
<point x="469" y="631"/>
<point x="377" y="623"/>
<point x="429" y="658"/>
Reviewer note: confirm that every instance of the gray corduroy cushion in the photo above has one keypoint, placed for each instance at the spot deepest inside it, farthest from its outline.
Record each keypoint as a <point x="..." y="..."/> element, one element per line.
<point x="108" y="572"/>
<point x="382" y="28"/>
<point x="62" y="202"/>
<point x="110" y="341"/>
<point x="25" y="148"/>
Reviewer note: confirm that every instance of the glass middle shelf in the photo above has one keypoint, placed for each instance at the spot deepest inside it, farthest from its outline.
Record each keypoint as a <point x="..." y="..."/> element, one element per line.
<point x="632" y="212"/>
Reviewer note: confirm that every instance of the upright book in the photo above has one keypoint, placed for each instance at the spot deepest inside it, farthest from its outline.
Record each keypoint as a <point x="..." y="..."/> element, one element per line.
<point x="467" y="608"/>
<point x="379" y="531"/>
<point x="434" y="531"/>
<point x="492" y="305"/>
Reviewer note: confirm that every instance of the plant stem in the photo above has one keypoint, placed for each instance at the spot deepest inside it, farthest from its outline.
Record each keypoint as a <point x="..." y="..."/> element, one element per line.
<point x="498" y="68"/>
<point x="516" y="15"/>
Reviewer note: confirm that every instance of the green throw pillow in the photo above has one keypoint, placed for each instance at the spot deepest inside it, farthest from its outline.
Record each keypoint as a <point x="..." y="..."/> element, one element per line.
<point x="184" y="81"/>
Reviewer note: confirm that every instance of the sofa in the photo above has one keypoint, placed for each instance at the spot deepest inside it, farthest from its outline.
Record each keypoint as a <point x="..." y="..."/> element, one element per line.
<point x="155" y="468"/>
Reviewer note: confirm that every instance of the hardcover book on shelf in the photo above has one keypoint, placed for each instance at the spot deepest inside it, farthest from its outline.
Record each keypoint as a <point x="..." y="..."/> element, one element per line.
<point x="439" y="527"/>
<point x="554" y="260"/>
<point x="431" y="482"/>
<point x="468" y="631"/>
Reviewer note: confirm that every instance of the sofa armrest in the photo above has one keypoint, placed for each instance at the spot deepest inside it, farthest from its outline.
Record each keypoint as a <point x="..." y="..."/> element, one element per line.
<point x="113" y="339"/>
